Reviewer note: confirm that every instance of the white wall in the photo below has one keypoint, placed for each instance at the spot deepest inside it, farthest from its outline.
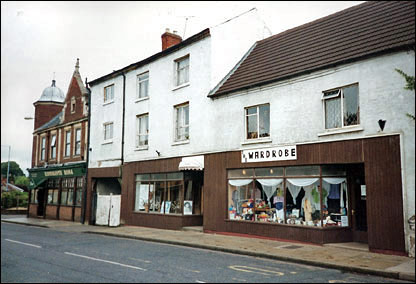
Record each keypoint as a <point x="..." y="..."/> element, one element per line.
<point x="296" y="111"/>
<point x="106" y="155"/>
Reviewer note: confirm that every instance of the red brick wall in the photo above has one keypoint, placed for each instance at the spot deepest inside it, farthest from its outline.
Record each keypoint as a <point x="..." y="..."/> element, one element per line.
<point x="74" y="91"/>
<point x="77" y="214"/>
<point x="65" y="213"/>
<point x="44" y="112"/>
<point x="51" y="211"/>
<point x="169" y="40"/>
<point x="33" y="210"/>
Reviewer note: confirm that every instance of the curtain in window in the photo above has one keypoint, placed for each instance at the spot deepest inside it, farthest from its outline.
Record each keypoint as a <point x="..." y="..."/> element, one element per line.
<point x="336" y="181"/>
<point x="270" y="185"/>
<point x="295" y="185"/>
<point x="239" y="182"/>
<point x="333" y="113"/>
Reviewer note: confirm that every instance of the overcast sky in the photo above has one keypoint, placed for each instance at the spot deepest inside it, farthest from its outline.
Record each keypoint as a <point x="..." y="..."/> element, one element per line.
<point x="39" y="39"/>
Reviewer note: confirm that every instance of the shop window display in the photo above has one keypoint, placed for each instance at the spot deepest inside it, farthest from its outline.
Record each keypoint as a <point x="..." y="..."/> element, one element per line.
<point x="289" y="195"/>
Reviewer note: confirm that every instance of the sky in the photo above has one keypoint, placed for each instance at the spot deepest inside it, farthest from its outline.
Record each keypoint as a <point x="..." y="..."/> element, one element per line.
<point x="41" y="41"/>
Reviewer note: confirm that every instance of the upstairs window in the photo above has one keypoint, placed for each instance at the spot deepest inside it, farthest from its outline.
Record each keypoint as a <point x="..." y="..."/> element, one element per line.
<point x="72" y="104"/>
<point x="68" y="143"/>
<point x="108" y="131"/>
<point x="78" y="141"/>
<point x="43" y="149"/>
<point x="182" y="122"/>
<point x="142" y="137"/>
<point x="182" y="71"/>
<point x="143" y="85"/>
<point x="53" y="147"/>
<point x="341" y="107"/>
<point x="257" y="121"/>
<point x="109" y="94"/>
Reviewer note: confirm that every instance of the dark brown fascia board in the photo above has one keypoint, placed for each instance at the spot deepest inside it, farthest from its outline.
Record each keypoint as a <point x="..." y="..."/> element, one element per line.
<point x="407" y="47"/>
<point x="199" y="36"/>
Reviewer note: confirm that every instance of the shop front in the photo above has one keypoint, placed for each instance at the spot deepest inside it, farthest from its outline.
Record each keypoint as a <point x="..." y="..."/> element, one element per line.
<point x="164" y="193"/>
<point x="57" y="192"/>
<point x="327" y="192"/>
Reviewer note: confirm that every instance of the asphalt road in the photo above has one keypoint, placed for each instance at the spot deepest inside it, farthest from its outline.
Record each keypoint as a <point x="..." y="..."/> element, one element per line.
<point x="33" y="254"/>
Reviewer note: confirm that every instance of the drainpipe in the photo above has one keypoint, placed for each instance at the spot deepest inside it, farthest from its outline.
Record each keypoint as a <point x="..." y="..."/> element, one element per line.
<point x="84" y="198"/>
<point x="122" y="122"/>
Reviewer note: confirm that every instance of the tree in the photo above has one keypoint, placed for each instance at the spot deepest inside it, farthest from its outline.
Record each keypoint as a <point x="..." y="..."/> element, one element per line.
<point x="410" y="85"/>
<point x="14" y="170"/>
<point x="22" y="181"/>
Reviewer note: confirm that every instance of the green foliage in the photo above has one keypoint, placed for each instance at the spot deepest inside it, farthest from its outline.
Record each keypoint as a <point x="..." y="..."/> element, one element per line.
<point x="410" y="85"/>
<point x="22" y="181"/>
<point x="13" y="199"/>
<point x="14" y="170"/>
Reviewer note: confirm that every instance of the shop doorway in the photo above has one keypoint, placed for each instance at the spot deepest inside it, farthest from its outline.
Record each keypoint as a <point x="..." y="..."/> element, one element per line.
<point x="41" y="202"/>
<point x="358" y="203"/>
<point x="106" y="196"/>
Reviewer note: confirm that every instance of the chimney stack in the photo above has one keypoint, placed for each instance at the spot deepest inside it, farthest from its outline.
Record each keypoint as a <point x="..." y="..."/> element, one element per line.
<point x="169" y="39"/>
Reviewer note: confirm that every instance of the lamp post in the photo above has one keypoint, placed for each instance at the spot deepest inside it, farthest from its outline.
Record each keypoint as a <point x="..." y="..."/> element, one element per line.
<point x="8" y="168"/>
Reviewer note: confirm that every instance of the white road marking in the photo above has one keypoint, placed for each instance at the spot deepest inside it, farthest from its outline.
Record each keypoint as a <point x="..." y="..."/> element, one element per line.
<point x="145" y="261"/>
<point x="197" y="281"/>
<point x="107" y="261"/>
<point x="26" y="244"/>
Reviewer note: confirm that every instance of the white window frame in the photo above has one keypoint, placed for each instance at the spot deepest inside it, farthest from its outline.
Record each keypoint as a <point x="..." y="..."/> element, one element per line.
<point x="43" y="148"/>
<point x="141" y="80"/>
<point x="340" y="94"/>
<point x="183" y="119"/>
<point x="246" y="138"/>
<point x="105" y="138"/>
<point x="73" y="103"/>
<point x="53" y="147"/>
<point x="109" y="99"/>
<point x="77" y="142"/>
<point x="177" y="71"/>
<point x="67" y="152"/>
<point x="140" y="132"/>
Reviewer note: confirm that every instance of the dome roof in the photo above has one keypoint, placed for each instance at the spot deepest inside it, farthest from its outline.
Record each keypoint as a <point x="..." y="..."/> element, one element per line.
<point x="52" y="93"/>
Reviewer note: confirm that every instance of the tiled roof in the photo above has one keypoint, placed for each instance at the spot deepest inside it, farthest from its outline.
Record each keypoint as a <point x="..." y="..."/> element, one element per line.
<point x="351" y="34"/>
<point x="53" y="122"/>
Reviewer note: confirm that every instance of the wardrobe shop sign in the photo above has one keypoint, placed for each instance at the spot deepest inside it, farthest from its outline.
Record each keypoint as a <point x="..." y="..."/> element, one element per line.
<point x="282" y="153"/>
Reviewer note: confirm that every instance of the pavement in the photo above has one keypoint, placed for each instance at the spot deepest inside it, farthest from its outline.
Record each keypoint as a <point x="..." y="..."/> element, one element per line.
<point x="349" y="257"/>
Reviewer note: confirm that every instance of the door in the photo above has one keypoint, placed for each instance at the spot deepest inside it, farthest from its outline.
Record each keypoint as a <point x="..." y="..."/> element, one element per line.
<point x="41" y="202"/>
<point x="358" y="205"/>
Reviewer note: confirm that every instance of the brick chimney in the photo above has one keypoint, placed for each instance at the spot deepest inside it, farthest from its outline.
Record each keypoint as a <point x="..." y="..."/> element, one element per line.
<point x="169" y="39"/>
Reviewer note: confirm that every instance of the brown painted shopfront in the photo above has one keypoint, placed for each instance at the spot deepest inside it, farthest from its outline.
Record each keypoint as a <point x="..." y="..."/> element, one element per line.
<point x="374" y="162"/>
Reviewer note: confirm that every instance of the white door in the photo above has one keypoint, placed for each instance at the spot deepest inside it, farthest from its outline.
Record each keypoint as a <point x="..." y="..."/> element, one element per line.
<point x="103" y="209"/>
<point x="115" y="202"/>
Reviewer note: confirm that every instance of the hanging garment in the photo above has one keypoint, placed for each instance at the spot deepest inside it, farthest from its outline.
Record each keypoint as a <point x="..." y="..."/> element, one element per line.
<point x="308" y="210"/>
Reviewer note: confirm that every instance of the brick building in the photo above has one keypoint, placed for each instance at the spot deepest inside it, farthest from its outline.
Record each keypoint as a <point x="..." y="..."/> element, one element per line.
<point x="60" y="136"/>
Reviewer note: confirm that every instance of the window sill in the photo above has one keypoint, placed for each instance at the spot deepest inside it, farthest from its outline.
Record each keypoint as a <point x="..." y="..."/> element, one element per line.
<point x="341" y="130"/>
<point x="107" y="103"/>
<point x="181" y="86"/>
<point x="141" y="148"/>
<point x="107" y="142"/>
<point x="256" y="141"/>
<point x="180" y="142"/>
<point x="141" y="99"/>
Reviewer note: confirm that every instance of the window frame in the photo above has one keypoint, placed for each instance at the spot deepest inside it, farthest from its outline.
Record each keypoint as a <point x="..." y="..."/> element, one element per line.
<point x="106" y="98"/>
<point x="139" y="131"/>
<point x="53" y="146"/>
<point x="176" y="119"/>
<point x="77" y="142"/>
<point x="73" y="104"/>
<point x="67" y="152"/>
<point x="106" y="124"/>
<point x="341" y="96"/>
<point x="246" y="115"/>
<point x="138" y="86"/>
<point x="43" y="148"/>
<point x="177" y="70"/>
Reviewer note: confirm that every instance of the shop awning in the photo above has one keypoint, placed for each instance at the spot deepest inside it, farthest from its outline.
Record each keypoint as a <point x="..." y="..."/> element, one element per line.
<point x="195" y="163"/>
<point x="37" y="176"/>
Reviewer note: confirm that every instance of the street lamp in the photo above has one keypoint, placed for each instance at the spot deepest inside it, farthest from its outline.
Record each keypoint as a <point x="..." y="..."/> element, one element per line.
<point x="8" y="168"/>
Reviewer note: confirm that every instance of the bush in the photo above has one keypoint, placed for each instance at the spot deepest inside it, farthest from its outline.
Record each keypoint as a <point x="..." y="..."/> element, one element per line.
<point x="10" y="199"/>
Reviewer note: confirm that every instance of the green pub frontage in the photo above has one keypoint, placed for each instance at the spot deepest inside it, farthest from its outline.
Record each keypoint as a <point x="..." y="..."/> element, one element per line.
<point x="57" y="192"/>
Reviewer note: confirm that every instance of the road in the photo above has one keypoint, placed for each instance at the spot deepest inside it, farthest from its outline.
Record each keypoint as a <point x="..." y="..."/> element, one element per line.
<point x="33" y="254"/>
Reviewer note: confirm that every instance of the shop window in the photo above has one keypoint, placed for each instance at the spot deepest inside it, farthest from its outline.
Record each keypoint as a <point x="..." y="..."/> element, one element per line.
<point x="290" y="195"/>
<point x="341" y="107"/>
<point x="78" y="196"/>
<point x="159" y="193"/>
<point x="53" y="196"/>
<point x="257" y="121"/>
<point x="34" y="196"/>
